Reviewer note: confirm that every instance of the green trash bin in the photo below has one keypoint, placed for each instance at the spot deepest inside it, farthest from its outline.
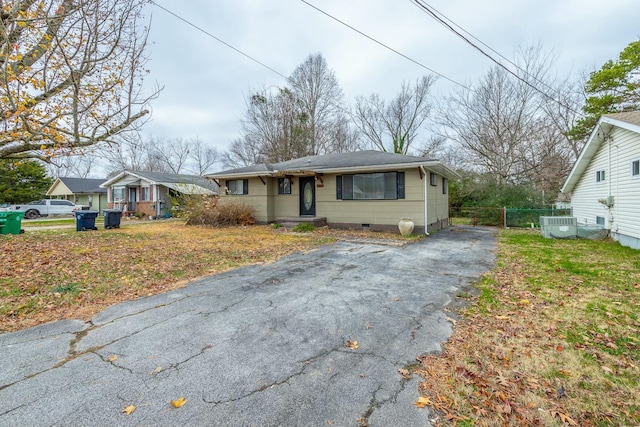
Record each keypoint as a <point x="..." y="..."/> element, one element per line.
<point x="10" y="222"/>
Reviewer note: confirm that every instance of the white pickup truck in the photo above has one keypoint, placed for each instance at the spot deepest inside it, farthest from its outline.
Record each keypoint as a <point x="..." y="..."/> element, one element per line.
<point x="46" y="207"/>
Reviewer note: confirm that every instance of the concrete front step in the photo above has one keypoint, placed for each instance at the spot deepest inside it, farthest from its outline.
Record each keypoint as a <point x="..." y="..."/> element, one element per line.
<point x="290" y="222"/>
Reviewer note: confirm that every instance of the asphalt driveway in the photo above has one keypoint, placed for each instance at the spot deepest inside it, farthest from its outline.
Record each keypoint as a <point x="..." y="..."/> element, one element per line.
<point x="261" y="345"/>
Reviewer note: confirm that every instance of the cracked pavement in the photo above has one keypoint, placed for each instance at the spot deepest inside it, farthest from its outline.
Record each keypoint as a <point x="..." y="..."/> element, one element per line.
<point x="262" y="345"/>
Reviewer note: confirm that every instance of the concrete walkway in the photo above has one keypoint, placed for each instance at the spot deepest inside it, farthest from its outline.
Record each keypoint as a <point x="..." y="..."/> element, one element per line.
<point x="257" y="346"/>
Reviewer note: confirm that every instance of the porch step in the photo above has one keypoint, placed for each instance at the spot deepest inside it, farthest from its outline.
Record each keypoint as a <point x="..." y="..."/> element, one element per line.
<point x="291" y="222"/>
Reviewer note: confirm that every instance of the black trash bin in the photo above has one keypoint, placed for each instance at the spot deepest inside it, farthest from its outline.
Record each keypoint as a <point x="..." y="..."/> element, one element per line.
<point x="86" y="220"/>
<point x="112" y="218"/>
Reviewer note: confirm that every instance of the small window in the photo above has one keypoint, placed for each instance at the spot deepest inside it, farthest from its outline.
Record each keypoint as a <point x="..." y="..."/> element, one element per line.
<point x="635" y="168"/>
<point x="600" y="220"/>
<point x="284" y="186"/>
<point x="433" y="179"/>
<point x="144" y="194"/>
<point x="600" y="176"/>
<point x="237" y="186"/>
<point x="445" y="185"/>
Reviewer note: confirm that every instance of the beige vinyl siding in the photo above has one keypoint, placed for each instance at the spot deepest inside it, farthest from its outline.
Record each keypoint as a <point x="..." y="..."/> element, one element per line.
<point x="614" y="156"/>
<point x="258" y="198"/>
<point x="383" y="212"/>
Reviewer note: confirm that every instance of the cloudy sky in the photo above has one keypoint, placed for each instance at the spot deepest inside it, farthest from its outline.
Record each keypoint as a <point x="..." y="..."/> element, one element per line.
<point x="205" y="82"/>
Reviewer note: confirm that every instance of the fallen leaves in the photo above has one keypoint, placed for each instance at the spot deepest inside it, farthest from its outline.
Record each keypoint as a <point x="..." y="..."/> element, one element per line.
<point x="112" y="358"/>
<point x="564" y="418"/>
<point x="129" y="409"/>
<point x="405" y="373"/>
<point x="352" y="344"/>
<point x="423" y="401"/>
<point x="98" y="269"/>
<point x="178" y="403"/>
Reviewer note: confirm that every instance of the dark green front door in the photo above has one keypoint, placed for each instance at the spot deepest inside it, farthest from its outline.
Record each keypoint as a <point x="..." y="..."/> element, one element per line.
<point x="307" y="196"/>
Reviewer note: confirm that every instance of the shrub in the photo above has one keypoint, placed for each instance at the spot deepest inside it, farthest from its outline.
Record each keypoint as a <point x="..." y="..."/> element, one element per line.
<point x="304" y="227"/>
<point x="275" y="226"/>
<point x="214" y="211"/>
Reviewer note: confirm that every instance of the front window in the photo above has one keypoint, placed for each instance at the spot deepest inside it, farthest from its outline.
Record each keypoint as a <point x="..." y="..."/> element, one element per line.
<point x="144" y="194"/>
<point x="371" y="186"/>
<point x="118" y="194"/>
<point x="284" y="186"/>
<point x="237" y="186"/>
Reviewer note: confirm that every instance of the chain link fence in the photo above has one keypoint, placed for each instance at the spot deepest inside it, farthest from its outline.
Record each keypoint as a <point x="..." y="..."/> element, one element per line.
<point x="502" y="217"/>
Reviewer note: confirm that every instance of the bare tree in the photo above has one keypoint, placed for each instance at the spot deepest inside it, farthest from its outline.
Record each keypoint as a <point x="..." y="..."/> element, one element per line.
<point x="304" y="118"/>
<point x="71" y="165"/>
<point x="394" y="126"/>
<point x="70" y="74"/>
<point x="202" y="157"/>
<point x="243" y="151"/>
<point x="515" y="128"/>
<point x="320" y="98"/>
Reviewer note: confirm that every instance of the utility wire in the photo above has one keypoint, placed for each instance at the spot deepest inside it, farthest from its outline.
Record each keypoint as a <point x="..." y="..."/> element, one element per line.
<point x="385" y="46"/>
<point x="436" y="15"/>
<point x="218" y="39"/>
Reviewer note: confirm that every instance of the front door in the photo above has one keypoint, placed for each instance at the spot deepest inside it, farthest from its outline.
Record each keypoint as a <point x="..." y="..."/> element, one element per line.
<point x="133" y="198"/>
<point x="307" y="196"/>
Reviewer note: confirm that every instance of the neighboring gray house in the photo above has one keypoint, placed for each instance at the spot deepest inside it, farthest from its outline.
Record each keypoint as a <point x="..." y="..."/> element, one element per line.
<point x="81" y="191"/>
<point x="151" y="193"/>
<point x="366" y="189"/>
<point x="605" y="181"/>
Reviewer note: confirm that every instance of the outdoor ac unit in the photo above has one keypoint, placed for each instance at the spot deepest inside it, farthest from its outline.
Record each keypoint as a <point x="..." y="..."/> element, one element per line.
<point x="559" y="227"/>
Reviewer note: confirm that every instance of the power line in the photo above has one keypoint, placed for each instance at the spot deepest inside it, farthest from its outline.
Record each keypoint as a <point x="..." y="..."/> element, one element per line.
<point x="218" y="39"/>
<point x="436" y="15"/>
<point x="384" y="45"/>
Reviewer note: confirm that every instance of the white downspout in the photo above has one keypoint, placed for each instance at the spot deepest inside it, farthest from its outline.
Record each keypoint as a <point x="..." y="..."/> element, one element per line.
<point x="426" y="215"/>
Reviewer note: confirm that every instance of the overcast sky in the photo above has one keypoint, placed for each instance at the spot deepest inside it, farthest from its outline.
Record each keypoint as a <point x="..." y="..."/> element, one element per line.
<point x="205" y="82"/>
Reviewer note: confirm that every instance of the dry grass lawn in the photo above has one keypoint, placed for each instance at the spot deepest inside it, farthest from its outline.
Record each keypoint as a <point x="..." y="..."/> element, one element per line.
<point x="552" y="340"/>
<point x="59" y="274"/>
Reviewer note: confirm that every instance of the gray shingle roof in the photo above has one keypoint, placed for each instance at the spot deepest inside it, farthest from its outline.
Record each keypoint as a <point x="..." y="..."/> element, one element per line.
<point x="338" y="161"/>
<point x="84" y="185"/>
<point x="632" y="117"/>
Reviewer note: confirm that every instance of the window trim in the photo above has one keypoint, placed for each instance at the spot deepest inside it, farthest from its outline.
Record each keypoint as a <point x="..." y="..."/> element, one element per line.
<point x="343" y="182"/>
<point x="282" y="188"/>
<point x="245" y="187"/>
<point x="433" y="179"/>
<point x="635" y="168"/>
<point x="146" y="189"/>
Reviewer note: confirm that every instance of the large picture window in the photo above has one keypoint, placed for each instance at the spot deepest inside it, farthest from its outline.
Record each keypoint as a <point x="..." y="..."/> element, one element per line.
<point x="237" y="186"/>
<point x="144" y="194"/>
<point x="371" y="186"/>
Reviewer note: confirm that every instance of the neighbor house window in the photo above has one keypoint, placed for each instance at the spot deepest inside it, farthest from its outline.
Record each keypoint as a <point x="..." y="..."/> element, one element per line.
<point x="144" y="194"/>
<point x="635" y="168"/>
<point x="600" y="220"/>
<point x="237" y="186"/>
<point x="600" y="176"/>
<point x="370" y="186"/>
<point x="433" y="179"/>
<point x="117" y="194"/>
<point x="445" y="185"/>
<point x="284" y="186"/>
